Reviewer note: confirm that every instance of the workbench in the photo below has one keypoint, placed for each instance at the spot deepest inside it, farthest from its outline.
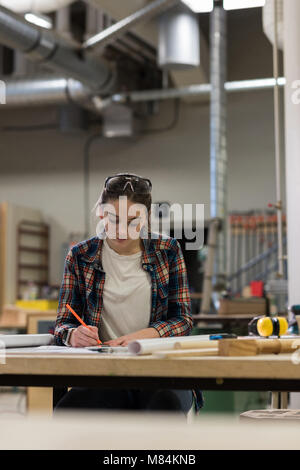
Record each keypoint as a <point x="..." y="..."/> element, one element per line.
<point x="259" y="373"/>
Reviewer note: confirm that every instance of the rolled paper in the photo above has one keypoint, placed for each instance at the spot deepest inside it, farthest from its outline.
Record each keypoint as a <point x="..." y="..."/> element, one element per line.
<point x="147" y="346"/>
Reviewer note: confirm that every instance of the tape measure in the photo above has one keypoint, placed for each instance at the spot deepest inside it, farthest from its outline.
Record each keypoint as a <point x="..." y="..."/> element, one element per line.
<point x="268" y="326"/>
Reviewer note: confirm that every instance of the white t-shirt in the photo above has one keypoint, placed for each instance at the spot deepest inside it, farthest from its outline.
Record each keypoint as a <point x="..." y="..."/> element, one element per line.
<point x="126" y="295"/>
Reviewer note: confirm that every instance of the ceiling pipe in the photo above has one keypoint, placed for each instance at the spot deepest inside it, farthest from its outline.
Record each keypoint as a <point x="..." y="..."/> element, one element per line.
<point x="114" y="31"/>
<point x="44" y="91"/>
<point x="53" y="90"/>
<point x="277" y="129"/>
<point x="55" y="52"/>
<point x="197" y="90"/>
<point x="218" y="138"/>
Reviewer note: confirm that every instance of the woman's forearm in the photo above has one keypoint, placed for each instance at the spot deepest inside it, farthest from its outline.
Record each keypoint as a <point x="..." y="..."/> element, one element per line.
<point x="140" y="334"/>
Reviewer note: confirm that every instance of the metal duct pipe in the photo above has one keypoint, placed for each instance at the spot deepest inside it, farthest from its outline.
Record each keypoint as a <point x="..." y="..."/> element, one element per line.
<point x="197" y="90"/>
<point x="48" y="91"/>
<point x="57" y="53"/>
<point x="116" y="30"/>
<point x="179" y="39"/>
<point x="218" y="151"/>
<point x="277" y="129"/>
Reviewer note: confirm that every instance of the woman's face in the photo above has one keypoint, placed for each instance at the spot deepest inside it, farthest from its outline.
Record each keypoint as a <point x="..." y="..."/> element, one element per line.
<point x="123" y="220"/>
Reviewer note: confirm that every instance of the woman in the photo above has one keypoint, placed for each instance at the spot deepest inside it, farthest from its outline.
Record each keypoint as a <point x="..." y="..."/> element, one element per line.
<point x="128" y="283"/>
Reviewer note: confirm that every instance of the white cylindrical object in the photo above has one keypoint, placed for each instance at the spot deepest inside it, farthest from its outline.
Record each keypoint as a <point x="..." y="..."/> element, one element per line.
<point x="37" y="6"/>
<point x="147" y="346"/>
<point x="292" y="139"/>
<point x="268" y="21"/>
<point x="179" y="39"/>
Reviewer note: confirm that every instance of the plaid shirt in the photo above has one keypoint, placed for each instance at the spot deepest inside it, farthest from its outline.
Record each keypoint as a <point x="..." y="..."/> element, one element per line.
<point x="84" y="277"/>
<point x="83" y="284"/>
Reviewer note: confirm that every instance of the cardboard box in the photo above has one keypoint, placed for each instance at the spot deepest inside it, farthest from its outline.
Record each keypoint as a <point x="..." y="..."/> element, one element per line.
<point x="250" y="306"/>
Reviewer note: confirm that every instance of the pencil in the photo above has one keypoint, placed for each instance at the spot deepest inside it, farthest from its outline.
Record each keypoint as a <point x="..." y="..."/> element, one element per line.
<point x="80" y="320"/>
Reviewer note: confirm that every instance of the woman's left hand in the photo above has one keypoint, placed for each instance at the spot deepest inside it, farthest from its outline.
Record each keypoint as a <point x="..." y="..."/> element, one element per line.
<point x="141" y="334"/>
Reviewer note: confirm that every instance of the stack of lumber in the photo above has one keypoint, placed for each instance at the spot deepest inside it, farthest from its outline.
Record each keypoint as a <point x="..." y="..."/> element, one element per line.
<point x="198" y="346"/>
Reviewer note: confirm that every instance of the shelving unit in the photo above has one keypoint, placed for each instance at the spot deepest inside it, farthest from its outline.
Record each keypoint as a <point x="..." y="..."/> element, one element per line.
<point x="32" y="254"/>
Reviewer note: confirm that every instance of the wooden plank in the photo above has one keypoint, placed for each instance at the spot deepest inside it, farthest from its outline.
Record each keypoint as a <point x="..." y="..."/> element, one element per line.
<point x="251" y="347"/>
<point x="186" y="353"/>
<point x="197" y="344"/>
<point x="39" y="399"/>
<point x="261" y="366"/>
<point x="243" y="306"/>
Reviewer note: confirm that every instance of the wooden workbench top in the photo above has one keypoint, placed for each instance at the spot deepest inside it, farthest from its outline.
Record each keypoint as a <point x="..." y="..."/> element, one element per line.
<point x="262" y="366"/>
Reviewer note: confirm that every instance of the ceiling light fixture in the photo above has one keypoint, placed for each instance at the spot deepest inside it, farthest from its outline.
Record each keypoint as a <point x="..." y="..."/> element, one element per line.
<point x="240" y="4"/>
<point x="39" y="20"/>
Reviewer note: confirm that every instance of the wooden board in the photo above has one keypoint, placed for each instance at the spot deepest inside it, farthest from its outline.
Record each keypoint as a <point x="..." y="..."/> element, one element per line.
<point x="39" y="399"/>
<point x="253" y="346"/>
<point x="186" y="353"/>
<point x="260" y="367"/>
<point x="196" y="344"/>
<point x="251" y="306"/>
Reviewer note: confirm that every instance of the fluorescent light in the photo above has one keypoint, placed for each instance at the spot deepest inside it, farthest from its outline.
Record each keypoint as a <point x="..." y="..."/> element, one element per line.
<point x="258" y="83"/>
<point x="39" y="20"/>
<point x="200" y="6"/>
<point x="239" y="4"/>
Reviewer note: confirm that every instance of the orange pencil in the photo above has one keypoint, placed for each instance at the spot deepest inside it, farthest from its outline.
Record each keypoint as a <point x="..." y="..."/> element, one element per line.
<point x="80" y="320"/>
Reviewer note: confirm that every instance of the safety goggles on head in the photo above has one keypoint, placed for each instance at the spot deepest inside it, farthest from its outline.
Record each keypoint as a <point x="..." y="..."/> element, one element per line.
<point x="137" y="184"/>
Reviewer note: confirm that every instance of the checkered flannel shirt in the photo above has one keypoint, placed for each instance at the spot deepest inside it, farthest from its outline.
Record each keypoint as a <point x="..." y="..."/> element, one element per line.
<point x="83" y="283"/>
<point x="84" y="277"/>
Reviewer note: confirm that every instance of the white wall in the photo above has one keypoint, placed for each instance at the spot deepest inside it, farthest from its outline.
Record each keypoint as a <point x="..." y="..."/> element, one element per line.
<point x="45" y="169"/>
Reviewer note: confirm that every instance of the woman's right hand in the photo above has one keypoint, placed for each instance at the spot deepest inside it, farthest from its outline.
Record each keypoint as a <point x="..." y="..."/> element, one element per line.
<point x="82" y="336"/>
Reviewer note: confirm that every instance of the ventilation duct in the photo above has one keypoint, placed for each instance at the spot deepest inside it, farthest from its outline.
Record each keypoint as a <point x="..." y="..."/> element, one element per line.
<point x="22" y="66"/>
<point x="43" y="91"/>
<point x="47" y="90"/>
<point x="268" y="21"/>
<point x="179" y="39"/>
<point x="55" y="52"/>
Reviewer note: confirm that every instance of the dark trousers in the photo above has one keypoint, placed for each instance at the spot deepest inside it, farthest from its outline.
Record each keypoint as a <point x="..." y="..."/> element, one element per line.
<point x="116" y="399"/>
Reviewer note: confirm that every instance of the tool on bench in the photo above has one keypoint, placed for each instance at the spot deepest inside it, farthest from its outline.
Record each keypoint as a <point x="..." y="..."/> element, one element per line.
<point x="268" y="326"/>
